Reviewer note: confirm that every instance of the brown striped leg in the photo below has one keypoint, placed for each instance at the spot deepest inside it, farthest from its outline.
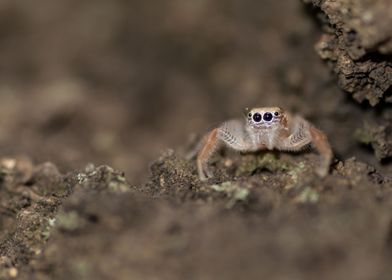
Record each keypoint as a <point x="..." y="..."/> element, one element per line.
<point x="209" y="147"/>
<point x="320" y="142"/>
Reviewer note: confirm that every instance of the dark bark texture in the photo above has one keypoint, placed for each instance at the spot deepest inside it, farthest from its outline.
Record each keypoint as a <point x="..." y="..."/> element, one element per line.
<point x="357" y="44"/>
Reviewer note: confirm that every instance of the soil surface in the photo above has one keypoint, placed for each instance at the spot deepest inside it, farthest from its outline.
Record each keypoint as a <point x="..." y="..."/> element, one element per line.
<point x="100" y="104"/>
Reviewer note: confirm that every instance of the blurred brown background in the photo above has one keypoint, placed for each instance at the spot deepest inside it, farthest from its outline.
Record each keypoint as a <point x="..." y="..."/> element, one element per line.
<point x="116" y="82"/>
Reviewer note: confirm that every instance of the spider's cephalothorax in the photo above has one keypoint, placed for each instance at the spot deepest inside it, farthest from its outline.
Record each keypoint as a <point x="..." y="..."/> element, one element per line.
<point x="266" y="128"/>
<point x="265" y="117"/>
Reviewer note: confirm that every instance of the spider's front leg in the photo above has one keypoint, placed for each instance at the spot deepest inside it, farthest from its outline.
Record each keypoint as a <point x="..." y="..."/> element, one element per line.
<point x="320" y="142"/>
<point x="301" y="134"/>
<point x="231" y="134"/>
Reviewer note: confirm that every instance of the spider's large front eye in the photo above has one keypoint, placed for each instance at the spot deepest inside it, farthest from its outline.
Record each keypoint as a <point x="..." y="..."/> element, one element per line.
<point x="267" y="117"/>
<point x="257" y="117"/>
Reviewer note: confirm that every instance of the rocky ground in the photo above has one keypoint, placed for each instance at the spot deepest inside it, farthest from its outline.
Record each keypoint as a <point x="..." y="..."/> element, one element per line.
<point x="92" y="97"/>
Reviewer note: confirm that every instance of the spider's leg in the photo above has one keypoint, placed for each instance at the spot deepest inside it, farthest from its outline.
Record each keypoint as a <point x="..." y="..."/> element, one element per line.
<point x="302" y="134"/>
<point x="320" y="142"/>
<point x="298" y="138"/>
<point x="210" y="144"/>
<point x="231" y="134"/>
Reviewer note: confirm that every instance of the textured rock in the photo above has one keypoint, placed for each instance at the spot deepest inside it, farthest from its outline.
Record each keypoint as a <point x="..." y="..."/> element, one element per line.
<point x="379" y="137"/>
<point x="357" y="44"/>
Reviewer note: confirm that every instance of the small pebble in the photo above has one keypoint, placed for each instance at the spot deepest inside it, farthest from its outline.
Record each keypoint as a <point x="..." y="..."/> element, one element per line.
<point x="13" y="272"/>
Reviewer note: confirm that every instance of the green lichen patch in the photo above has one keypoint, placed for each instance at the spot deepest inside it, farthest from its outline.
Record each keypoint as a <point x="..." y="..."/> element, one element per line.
<point x="81" y="269"/>
<point x="308" y="195"/>
<point x="251" y="164"/>
<point x="363" y="136"/>
<point x="296" y="175"/>
<point x="234" y="192"/>
<point x="69" y="221"/>
<point x="103" y="177"/>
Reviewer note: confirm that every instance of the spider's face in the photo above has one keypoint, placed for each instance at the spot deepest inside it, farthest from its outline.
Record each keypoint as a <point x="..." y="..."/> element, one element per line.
<point x="267" y="117"/>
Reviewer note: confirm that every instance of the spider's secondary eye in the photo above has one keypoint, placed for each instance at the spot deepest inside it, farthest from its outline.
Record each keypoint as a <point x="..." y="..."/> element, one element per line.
<point x="250" y="115"/>
<point x="267" y="117"/>
<point x="276" y="114"/>
<point x="257" y="117"/>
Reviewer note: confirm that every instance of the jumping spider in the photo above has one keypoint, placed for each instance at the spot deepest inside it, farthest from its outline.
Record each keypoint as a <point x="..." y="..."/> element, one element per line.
<point x="267" y="128"/>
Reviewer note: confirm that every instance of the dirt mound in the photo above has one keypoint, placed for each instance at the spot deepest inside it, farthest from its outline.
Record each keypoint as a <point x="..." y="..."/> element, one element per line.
<point x="260" y="211"/>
